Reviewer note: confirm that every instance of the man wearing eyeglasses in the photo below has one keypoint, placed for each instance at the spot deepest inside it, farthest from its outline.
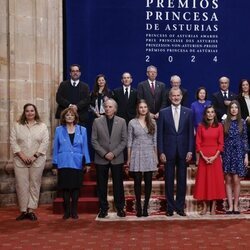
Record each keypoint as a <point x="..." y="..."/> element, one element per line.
<point x="74" y="93"/>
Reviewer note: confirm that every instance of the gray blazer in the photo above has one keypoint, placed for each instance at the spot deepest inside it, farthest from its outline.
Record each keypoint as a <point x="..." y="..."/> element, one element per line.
<point x="103" y="143"/>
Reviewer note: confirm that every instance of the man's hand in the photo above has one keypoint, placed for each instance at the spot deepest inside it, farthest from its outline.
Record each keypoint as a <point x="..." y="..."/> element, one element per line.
<point x="109" y="156"/>
<point x="163" y="158"/>
<point x="189" y="156"/>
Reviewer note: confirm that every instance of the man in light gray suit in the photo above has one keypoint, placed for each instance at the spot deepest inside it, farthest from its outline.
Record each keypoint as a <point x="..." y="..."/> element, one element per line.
<point x="153" y="92"/>
<point x="109" y="138"/>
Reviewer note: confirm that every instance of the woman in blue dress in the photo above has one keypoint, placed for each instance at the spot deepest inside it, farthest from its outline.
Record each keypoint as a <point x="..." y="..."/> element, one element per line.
<point x="198" y="108"/>
<point x="235" y="156"/>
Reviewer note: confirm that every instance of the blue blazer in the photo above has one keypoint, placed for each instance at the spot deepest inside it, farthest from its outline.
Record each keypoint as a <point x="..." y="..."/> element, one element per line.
<point x="67" y="155"/>
<point x="171" y="142"/>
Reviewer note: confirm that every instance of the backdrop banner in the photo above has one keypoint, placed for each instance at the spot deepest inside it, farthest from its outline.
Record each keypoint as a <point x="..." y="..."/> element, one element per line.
<point x="199" y="40"/>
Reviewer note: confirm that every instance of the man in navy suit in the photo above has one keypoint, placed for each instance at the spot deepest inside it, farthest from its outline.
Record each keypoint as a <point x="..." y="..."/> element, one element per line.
<point x="74" y="93"/>
<point x="126" y="98"/>
<point x="153" y="92"/>
<point x="222" y="98"/>
<point x="175" y="136"/>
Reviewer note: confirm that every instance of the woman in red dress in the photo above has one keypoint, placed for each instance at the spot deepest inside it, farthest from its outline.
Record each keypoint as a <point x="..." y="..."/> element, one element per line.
<point x="209" y="185"/>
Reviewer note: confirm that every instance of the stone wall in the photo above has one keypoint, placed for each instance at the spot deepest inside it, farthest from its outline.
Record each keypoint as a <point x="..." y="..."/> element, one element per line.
<point x="31" y="66"/>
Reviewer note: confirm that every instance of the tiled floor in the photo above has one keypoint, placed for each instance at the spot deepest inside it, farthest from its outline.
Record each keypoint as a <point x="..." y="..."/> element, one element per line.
<point x="51" y="232"/>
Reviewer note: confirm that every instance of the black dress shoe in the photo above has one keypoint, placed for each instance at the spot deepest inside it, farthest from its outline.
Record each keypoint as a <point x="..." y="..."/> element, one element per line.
<point x="181" y="213"/>
<point x="169" y="213"/>
<point x="102" y="214"/>
<point x="229" y="212"/>
<point x="66" y="216"/>
<point x="22" y="216"/>
<point x="121" y="213"/>
<point x="32" y="216"/>
<point x="138" y="213"/>
<point x="236" y="212"/>
<point x="74" y="216"/>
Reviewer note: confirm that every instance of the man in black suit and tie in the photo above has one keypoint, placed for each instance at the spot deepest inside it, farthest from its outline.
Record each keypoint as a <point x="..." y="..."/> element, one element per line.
<point x="153" y="92"/>
<point x="175" y="82"/>
<point x="223" y="98"/>
<point x="74" y="93"/>
<point x="126" y="98"/>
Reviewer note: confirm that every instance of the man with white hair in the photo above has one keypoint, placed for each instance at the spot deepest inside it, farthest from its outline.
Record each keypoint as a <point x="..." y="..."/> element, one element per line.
<point x="109" y="138"/>
<point x="153" y="92"/>
<point x="175" y="82"/>
<point x="222" y="98"/>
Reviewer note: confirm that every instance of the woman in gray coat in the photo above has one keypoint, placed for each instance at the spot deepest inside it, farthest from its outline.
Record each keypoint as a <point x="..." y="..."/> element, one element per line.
<point x="142" y="154"/>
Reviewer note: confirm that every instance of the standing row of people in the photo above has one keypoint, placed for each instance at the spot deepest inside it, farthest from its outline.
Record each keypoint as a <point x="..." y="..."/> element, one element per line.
<point x="175" y="125"/>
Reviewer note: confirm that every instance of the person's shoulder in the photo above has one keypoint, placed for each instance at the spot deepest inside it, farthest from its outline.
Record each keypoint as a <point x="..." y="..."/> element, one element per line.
<point x="160" y="83"/>
<point x="118" y="118"/>
<point x="83" y="84"/>
<point x="186" y="109"/>
<point x="215" y="94"/>
<point x="142" y="83"/>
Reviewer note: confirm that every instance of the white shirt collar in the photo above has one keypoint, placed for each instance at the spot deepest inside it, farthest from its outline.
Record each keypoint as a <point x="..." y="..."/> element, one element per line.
<point x="72" y="82"/>
<point x="124" y="88"/>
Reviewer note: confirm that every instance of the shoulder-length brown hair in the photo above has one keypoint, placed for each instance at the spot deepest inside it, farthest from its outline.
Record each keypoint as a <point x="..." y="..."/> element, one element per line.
<point x="149" y="121"/>
<point x="64" y="112"/>
<point x="205" y="121"/>
<point x="22" y="118"/>
<point x="228" y="120"/>
<point x="96" y="86"/>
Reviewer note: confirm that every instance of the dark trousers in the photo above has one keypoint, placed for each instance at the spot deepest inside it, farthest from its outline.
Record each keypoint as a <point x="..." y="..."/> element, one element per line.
<point x="181" y="183"/>
<point x="74" y="194"/>
<point x="102" y="172"/>
<point x="137" y="187"/>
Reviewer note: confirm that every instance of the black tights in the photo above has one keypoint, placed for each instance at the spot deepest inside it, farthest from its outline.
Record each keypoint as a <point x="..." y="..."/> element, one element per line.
<point x="74" y="194"/>
<point x="137" y="187"/>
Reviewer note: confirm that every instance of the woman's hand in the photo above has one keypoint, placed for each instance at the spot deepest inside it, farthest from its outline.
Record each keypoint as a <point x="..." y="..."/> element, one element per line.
<point x="25" y="159"/>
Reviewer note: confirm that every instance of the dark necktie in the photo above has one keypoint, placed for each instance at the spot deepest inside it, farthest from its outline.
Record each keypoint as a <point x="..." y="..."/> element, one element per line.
<point x="152" y="88"/>
<point x="225" y="95"/>
<point x="74" y="84"/>
<point x="126" y="94"/>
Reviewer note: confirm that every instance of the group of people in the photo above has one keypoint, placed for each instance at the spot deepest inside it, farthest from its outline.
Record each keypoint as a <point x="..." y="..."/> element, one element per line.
<point x="142" y="125"/>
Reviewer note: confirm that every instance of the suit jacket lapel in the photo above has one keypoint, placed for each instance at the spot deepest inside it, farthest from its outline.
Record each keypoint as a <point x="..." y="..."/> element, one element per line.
<point x="182" y="118"/>
<point x="171" y="118"/>
<point x="114" y="127"/>
<point x="105" y="126"/>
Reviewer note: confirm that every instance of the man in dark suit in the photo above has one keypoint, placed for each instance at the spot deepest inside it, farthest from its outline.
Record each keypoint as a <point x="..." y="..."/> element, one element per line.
<point x="175" y="136"/>
<point x="126" y="98"/>
<point x="109" y="138"/>
<point x="175" y="82"/>
<point x="74" y="93"/>
<point x="222" y="98"/>
<point x="153" y="92"/>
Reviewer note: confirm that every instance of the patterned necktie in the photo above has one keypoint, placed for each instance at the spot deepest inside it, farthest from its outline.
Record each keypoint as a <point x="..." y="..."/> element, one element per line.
<point x="176" y="118"/>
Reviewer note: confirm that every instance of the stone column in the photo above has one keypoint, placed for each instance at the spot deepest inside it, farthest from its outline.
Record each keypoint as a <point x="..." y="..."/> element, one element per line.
<point x="30" y="70"/>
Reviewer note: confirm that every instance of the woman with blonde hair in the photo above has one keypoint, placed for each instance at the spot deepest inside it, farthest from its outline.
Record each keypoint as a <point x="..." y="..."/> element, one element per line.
<point x="29" y="141"/>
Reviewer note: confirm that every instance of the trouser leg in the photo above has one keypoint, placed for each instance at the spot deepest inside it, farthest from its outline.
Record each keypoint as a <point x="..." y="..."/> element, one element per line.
<point x="22" y="187"/>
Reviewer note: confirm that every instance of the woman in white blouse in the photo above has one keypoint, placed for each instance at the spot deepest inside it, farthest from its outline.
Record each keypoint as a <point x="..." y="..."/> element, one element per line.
<point x="29" y="141"/>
